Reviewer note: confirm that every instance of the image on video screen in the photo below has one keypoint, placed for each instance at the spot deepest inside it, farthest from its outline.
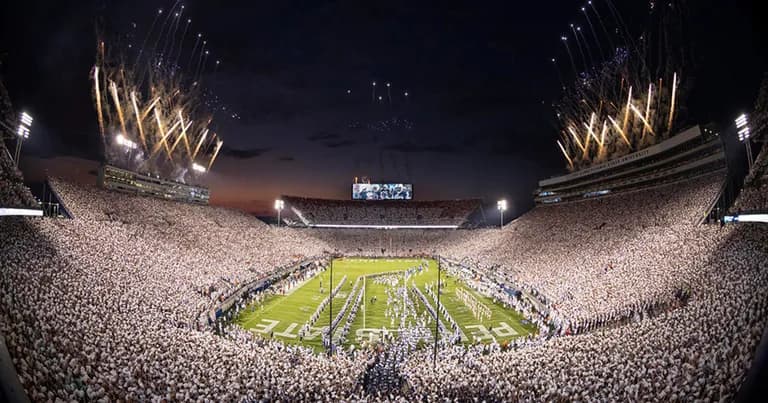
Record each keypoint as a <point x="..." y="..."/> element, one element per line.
<point x="382" y="191"/>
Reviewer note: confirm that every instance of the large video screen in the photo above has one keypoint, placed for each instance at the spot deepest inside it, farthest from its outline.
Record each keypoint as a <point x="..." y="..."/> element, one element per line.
<point x="382" y="191"/>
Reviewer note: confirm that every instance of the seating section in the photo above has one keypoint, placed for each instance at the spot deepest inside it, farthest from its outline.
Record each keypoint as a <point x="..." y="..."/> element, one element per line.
<point x="644" y="304"/>
<point x="307" y="212"/>
<point x="13" y="193"/>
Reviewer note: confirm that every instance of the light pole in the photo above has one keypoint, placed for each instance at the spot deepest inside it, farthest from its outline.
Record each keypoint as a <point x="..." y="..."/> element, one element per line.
<point x="501" y="205"/>
<point x="743" y="130"/>
<point x="25" y="123"/>
<point x="279" y="205"/>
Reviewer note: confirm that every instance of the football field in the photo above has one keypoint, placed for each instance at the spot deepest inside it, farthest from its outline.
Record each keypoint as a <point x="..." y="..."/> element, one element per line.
<point x="381" y="309"/>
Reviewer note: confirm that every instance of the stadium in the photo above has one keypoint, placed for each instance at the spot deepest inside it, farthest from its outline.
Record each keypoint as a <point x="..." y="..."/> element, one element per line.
<point x="640" y="273"/>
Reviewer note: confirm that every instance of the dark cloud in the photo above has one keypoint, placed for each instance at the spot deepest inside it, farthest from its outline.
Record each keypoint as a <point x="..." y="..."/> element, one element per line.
<point x="409" y="147"/>
<point x="340" y="143"/>
<point x="286" y="158"/>
<point x="323" y="135"/>
<point x="243" y="154"/>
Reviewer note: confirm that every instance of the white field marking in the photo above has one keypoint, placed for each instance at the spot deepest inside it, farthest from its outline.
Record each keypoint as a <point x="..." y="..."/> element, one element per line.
<point x="481" y="333"/>
<point x="478" y="332"/>
<point x="503" y="329"/>
<point x="264" y="329"/>
<point x="288" y="333"/>
<point x="372" y="334"/>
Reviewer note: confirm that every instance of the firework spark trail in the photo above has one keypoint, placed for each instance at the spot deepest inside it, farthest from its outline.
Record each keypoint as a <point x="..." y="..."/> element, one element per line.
<point x="605" y="29"/>
<point x="215" y="153"/>
<point x="648" y="111"/>
<point x="194" y="48"/>
<point x="146" y="38"/>
<point x="626" y="112"/>
<point x="99" y="109"/>
<point x="165" y="24"/>
<point x="201" y="66"/>
<point x="565" y="153"/>
<point x="594" y="34"/>
<point x="620" y="25"/>
<point x="586" y="46"/>
<point x="559" y="75"/>
<point x="564" y="39"/>
<point x="601" y="152"/>
<point x="116" y="100"/>
<point x="181" y="44"/>
<point x="620" y="131"/>
<point x="199" y="63"/>
<point x="672" y="103"/>
<point x="373" y="92"/>
<point x="581" y="51"/>
<point x="171" y="39"/>
<point x="199" y="143"/>
<point x="139" y="119"/>
<point x="152" y="59"/>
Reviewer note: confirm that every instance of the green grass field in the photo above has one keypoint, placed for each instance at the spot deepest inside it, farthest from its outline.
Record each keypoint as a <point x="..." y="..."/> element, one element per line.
<point x="282" y="316"/>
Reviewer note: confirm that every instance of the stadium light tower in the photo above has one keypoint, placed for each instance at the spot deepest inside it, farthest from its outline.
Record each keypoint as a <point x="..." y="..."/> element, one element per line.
<point x="279" y="205"/>
<point x="502" y="206"/>
<point x="126" y="143"/>
<point x="25" y="123"/>
<point x="742" y="124"/>
<point x="198" y="168"/>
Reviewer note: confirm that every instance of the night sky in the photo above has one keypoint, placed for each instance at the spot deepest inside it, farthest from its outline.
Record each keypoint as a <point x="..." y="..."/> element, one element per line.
<point x="478" y="121"/>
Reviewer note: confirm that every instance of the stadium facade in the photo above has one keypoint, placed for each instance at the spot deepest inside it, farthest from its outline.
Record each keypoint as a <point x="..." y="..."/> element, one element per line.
<point x="690" y="154"/>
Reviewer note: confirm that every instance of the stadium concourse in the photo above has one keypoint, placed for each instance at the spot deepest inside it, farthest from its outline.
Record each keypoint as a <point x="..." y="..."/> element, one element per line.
<point x="644" y="304"/>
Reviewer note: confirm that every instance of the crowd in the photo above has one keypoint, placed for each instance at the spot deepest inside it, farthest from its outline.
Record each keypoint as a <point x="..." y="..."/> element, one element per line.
<point x="13" y="193"/>
<point x="754" y="194"/>
<point x="304" y="211"/>
<point x="101" y="307"/>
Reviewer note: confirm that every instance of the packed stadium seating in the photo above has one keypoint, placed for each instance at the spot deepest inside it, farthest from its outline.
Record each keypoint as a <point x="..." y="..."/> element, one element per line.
<point x="104" y="306"/>
<point x="13" y="193"/>
<point x="754" y="195"/>
<point x="307" y="212"/>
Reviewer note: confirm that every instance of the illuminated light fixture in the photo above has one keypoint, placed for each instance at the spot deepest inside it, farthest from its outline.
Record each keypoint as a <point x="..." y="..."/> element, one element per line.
<point x="198" y="168"/>
<point x="25" y="124"/>
<point x="501" y="205"/>
<point x="742" y="124"/>
<point x="128" y="144"/>
<point x="279" y="206"/>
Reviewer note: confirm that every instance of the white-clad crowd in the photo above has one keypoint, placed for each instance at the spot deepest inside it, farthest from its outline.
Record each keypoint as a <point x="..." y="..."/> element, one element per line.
<point x="379" y="212"/>
<point x="13" y="193"/>
<point x="103" y="306"/>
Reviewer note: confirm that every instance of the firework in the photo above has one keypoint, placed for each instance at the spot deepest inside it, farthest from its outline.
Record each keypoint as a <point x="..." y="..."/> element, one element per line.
<point x="147" y="99"/>
<point x="607" y="111"/>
